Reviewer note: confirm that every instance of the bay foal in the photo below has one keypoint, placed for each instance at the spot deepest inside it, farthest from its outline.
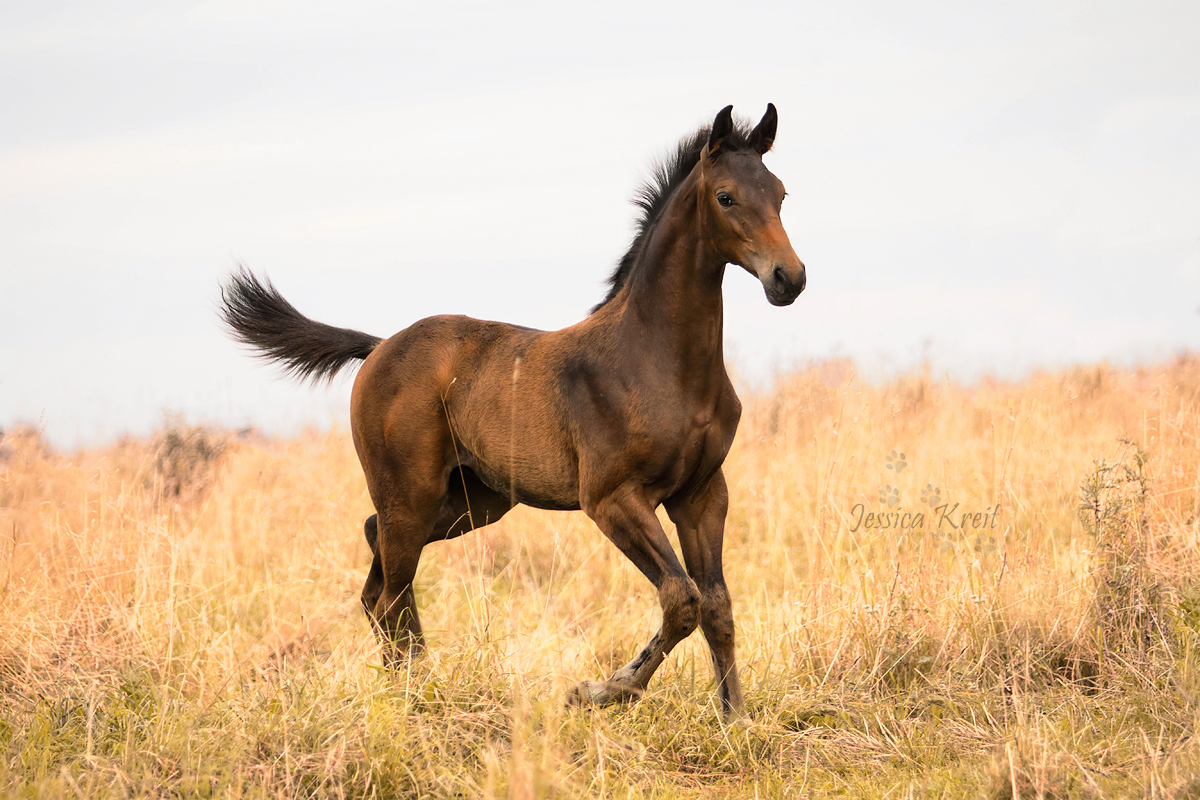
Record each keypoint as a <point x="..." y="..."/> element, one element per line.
<point x="457" y="420"/>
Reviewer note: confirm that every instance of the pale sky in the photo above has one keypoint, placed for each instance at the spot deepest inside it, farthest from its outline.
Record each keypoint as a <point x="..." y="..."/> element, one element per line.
<point x="996" y="187"/>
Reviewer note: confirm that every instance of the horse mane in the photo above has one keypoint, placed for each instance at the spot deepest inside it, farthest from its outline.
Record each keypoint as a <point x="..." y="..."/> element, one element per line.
<point x="652" y="196"/>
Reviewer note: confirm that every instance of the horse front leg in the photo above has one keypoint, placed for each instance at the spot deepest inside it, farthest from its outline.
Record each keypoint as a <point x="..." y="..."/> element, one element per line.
<point x="627" y="519"/>
<point x="700" y="520"/>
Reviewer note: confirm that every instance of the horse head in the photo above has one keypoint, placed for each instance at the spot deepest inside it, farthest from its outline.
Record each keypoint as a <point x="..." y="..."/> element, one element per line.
<point x="739" y="207"/>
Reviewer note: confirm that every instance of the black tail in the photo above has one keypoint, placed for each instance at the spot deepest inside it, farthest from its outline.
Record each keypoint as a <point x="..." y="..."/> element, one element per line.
<point x="256" y="314"/>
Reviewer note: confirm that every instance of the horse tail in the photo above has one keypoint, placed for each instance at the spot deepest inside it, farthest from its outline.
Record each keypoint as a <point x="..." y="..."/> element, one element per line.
<point x="256" y="314"/>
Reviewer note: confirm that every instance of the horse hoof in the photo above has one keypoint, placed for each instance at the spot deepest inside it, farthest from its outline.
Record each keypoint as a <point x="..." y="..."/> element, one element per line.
<point x="736" y="719"/>
<point x="597" y="693"/>
<point x="401" y="656"/>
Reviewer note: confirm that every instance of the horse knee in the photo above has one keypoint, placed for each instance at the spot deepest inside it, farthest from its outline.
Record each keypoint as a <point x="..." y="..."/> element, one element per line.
<point x="716" y="616"/>
<point x="372" y="587"/>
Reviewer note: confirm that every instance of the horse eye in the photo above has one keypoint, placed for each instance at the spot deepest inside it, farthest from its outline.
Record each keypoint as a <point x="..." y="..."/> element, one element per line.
<point x="724" y="199"/>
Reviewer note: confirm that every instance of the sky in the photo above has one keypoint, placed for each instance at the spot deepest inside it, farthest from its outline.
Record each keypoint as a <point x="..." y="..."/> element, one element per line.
<point x="989" y="187"/>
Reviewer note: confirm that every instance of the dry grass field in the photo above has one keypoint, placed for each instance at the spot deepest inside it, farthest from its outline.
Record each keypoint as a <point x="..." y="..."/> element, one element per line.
<point x="180" y="617"/>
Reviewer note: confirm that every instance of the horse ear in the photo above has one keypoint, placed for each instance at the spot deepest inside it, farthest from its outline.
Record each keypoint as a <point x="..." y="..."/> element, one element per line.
<point x="763" y="136"/>
<point x="721" y="128"/>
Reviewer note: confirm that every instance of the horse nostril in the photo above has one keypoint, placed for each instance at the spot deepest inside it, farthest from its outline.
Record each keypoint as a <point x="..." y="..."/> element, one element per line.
<point x="779" y="276"/>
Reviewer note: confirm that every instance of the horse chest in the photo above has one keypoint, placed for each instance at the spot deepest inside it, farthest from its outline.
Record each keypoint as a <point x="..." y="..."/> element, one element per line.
<point x="697" y="444"/>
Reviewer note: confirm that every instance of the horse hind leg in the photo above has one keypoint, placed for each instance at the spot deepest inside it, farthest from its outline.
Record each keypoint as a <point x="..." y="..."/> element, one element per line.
<point x="374" y="584"/>
<point x="393" y="613"/>
<point x="467" y="503"/>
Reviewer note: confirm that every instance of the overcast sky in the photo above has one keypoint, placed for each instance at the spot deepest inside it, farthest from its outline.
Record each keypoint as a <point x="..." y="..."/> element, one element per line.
<point x="993" y="186"/>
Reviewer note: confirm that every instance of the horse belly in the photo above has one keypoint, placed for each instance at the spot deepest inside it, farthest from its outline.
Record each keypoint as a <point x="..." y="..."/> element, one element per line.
<point x="556" y="490"/>
<point x="523" y="456"/>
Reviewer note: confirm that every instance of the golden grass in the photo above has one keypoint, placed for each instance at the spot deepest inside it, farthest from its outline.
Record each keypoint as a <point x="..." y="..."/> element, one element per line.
<point x="180" y="617"/>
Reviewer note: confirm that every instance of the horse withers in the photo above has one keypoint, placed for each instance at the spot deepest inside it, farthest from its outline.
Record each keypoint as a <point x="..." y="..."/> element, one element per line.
<point x="457" y="420"/>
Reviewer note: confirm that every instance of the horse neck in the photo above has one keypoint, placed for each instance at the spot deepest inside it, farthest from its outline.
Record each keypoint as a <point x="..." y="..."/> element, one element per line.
<point x="675" y="306"/>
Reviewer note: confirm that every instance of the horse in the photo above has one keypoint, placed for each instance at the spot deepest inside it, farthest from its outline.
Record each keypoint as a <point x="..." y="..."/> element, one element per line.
<point x="457" y="420"/>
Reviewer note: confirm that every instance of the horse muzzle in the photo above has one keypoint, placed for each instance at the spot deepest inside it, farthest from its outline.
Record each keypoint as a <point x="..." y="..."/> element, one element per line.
<point x="784" y="284"/>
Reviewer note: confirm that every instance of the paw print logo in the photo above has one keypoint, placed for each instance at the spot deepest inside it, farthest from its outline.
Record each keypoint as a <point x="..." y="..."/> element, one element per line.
<point x="931" y="495"/>
<point x="896" y="461"/>
<point x="889" y="495"/>
<point x="945" y="542"/>
<point x="983" y="545"/>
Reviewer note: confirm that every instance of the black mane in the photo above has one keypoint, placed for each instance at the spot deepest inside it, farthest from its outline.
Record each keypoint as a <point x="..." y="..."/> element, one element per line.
<point x="652" y="196"/>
